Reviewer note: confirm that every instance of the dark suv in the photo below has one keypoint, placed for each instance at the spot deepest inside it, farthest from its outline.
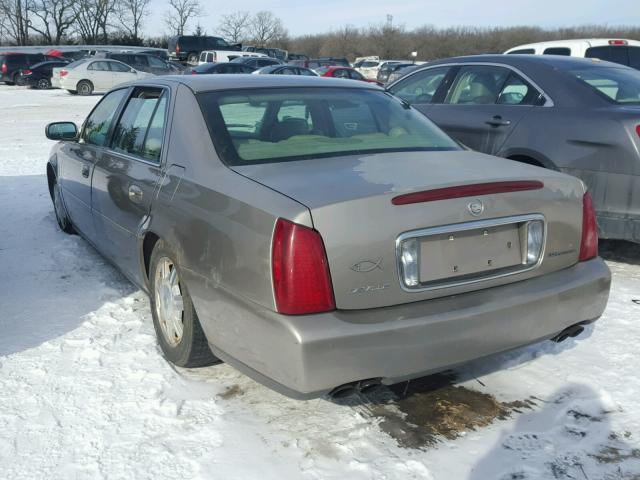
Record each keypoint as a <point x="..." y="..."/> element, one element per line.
<point x="140" y="61"/>
<point x="188" y="47"/>
<point x="12" y="63"/>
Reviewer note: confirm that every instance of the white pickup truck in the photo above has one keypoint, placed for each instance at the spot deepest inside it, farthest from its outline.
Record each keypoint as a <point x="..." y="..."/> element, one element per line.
<point x="221" y="56"/>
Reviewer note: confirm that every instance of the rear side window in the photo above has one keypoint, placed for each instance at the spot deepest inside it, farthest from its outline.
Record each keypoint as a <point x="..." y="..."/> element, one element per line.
<point x="477" y="85"/>
<point x="618" y="85"/>
<point x="97" y="125"/>
<point x="140" y="129"/>
<point x="613" y="54"/>
<point x="421" y="86"/>
<point x="156" y="62"/>
<point x="558" y="51"/>
<point x="516" y="91"/>
<point x="523" y="51"/>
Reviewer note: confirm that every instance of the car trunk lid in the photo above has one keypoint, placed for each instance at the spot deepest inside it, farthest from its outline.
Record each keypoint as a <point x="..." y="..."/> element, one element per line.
<point x="351" y="200"/>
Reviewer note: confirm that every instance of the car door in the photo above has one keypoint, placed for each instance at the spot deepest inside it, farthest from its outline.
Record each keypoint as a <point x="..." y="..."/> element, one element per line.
<point x="126" y="177"/>
<point x="419" y="89"/>
<point x="76" y="161"/>
<point x="121" y="73"/>
<point x="483" y="106"/>
<point x="100" y="75"/>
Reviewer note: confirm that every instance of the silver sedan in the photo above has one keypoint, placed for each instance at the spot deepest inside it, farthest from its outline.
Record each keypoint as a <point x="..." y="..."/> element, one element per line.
<point x="319" y="234"/>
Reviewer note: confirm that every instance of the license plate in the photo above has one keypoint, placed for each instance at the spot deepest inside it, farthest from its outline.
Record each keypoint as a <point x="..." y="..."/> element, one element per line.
<point x="469" y="252"/>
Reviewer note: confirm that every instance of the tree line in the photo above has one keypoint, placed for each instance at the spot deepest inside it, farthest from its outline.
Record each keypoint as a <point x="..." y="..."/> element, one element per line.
<point x="56" y="22"/>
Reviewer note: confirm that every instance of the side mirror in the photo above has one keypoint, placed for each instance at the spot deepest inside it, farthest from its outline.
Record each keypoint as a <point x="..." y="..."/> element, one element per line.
<point x="61" y="131"/>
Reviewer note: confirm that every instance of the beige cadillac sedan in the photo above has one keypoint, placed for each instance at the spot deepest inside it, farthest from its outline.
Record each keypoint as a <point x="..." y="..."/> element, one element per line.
<point x="320" y="235"/>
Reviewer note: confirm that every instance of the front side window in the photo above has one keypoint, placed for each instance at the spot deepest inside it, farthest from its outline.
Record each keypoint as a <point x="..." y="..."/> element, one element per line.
<point x="99" y="66"/>
<point x="140" y="130"/>
<point x="477" y="85"/>
<point x="422" y="86"/>
<point x="618" y="85"/>
<point x="268" y="125"/>
<point x="96" y="127"/>
<point x="355" y="75"/>
<point x="557" y="51"/>
<point x="119" y="67"/>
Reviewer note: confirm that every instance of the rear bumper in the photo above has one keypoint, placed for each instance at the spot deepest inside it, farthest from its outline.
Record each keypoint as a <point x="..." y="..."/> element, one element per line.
<point x="307" y="356"/>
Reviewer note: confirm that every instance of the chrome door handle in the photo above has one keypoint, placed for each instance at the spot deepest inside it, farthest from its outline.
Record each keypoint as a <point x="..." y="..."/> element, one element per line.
<point x="85" y="170"/>
<point x="135" y="193"/>
<point x="497" y="121"/>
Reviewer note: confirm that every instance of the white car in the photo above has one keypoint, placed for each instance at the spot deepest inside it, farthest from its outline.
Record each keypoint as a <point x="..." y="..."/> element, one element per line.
<point x="99" y="75"/>
<point x="625" y="52"/>
<point x="370" y="68"/>
<point x="223" y="56"/>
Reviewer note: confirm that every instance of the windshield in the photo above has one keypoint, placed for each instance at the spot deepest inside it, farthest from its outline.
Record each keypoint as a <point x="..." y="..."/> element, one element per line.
<point x="620" y="85"/>
<point x="276" y="125"/>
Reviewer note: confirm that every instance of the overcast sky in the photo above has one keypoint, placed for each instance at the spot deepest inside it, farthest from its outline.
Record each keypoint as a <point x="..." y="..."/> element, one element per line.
<point x="312" y="16"/>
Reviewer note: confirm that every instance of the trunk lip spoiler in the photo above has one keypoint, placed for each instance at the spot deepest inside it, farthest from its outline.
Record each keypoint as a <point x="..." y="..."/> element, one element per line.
<point x="463" y="191"/>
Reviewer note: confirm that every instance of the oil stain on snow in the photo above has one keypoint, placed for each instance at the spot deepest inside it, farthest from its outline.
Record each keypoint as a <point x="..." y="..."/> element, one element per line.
<point x="426" y="410"/>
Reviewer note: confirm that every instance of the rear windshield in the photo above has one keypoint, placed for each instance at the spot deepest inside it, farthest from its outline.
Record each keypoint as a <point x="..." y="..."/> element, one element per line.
<point x="618" y="85"/>
<point x="277" y="125"/>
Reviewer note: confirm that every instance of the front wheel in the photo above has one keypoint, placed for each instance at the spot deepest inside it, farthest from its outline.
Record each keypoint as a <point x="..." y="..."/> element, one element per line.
<point x="176" y="323"/>
<point x="84" y="87"/>
<point x="62" y="217"/>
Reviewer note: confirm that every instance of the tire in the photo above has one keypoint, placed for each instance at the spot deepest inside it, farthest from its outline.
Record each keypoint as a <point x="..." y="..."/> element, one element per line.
<point x="43" y="84"/>
<point x="192" y="59"/>
<point x="62" y="217"/>
<point x="182" y="340"/>
<point x="84" y="87"/>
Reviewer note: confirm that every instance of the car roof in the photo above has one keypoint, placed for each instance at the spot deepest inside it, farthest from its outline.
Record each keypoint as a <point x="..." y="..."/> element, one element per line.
<point x="594" y="42"/>
<point x="553" y="61"/>
<point x="211" y="83"/>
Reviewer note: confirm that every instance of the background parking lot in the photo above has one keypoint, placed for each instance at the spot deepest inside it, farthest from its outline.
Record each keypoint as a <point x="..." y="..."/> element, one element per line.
<point x="85" y="392"/>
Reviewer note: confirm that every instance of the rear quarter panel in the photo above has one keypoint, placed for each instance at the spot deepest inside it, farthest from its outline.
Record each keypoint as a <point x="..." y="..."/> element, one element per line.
<point x="219" y="222"/>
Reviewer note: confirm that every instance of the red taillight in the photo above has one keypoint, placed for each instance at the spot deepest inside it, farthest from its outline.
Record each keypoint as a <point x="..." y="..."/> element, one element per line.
<point x="618" y="42"/>
<point x="462" y="191"/>
<point x="300" y="270"/>
<point x="64" y="73"/>
<point x="4" y="68"/>
<point x="589" y="242"/>
<point x="177" y="48"/>
<point x="193" y="72"/>
<point x="638" y="130"/>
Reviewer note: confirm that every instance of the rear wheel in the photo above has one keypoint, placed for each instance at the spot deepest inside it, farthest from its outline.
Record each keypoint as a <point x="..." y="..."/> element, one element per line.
<point x="43" y="84"/>
<point x="174" y="318"/>
<point x="62" y="217"/>
<point x="84" y="87"/>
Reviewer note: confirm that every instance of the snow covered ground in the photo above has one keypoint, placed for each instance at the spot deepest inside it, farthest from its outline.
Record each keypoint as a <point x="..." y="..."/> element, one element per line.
<point x="85" y="393"/>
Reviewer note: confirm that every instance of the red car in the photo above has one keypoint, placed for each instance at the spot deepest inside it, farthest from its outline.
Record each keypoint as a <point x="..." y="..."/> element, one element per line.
<point x="337" y="71"/>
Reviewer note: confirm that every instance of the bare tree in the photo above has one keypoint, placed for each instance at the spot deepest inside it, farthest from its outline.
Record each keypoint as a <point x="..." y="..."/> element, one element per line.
<point x="179" y="14"/>
<point x="16" y="20"/>
<point x="93" y="19"/>
<point x="235" y="26"/>
<point x="54" y="18"/>
<point x="131" y="14"/>
<point x="266" y="28"/>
